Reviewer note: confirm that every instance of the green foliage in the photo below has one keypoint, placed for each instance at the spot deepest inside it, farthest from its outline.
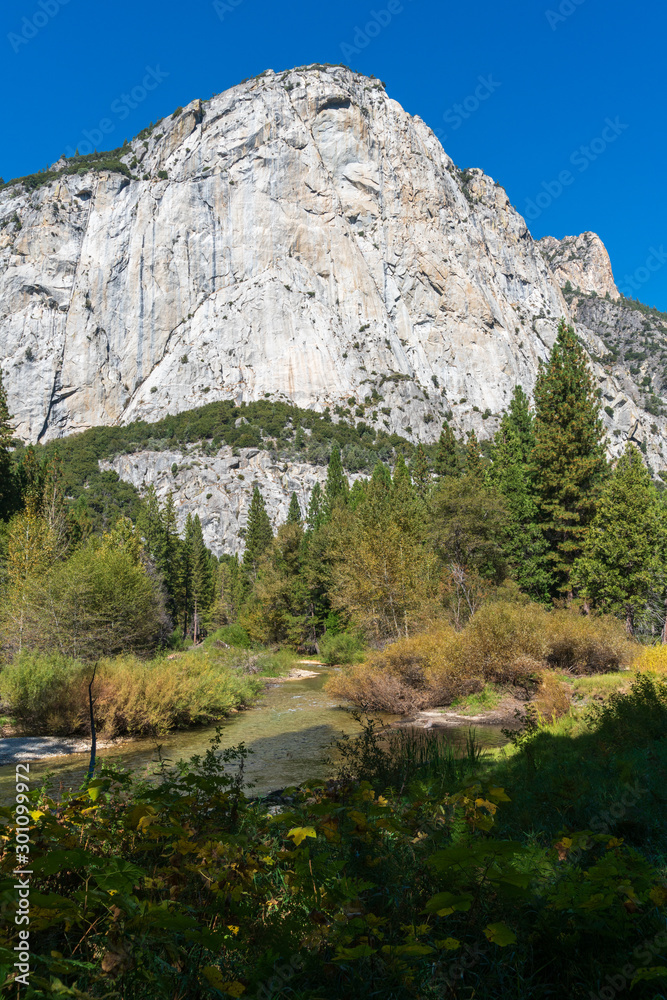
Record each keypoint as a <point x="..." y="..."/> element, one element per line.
<point x="258" y="533"/>
<point x="8" y="484"/>
<point x="447" y="460"/>
<point x="341" y="648"/>
<point x="622" y="569"/>
<point x="568" y="459"/>
<point x="294" y="512"/>
<point x="412" y="873"/>
<point x="100" y="601"/>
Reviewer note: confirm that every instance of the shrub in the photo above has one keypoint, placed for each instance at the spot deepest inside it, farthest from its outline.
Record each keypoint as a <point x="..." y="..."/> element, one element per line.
<point x="49" y="693"/>
<point x="585" y="644"/>
<point x="507" y="642"/>
<point x="409" y="675"/>
<point x="45" y="693"/>
<point x="343" y="648"/>
<point x="232" y="635"/>
<point x="651" y="659"/>
<point x="552" y="698"/>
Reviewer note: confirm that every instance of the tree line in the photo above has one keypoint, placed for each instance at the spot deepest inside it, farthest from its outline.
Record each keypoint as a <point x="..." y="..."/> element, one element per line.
<point x="541" y="513"/>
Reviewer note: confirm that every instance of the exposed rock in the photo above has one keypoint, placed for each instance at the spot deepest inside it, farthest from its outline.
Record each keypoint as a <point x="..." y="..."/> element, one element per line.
<point x="311" y="242"/>
<point x="219" y="487"/>
<point x="583" y="261"/>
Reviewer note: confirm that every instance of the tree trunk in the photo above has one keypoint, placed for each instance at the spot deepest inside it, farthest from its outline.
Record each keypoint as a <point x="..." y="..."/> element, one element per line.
<point x="93" y="732"/>
<point x="629" y="621"/>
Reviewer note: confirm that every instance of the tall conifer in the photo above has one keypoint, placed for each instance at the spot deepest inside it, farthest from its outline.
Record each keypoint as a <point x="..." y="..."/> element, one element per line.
<point x="7" y="477"/>
<point x="336" y="488"/>
<point x="447" y="460"/>
<point x="420" y="471"/>
<point x="474" y="461"/>
<point x="621" y="569"/>
<point x="568" y="459"/>
<point x="294" y="513"/>
<point x="258" y="533"/>
<point x="314" y="516"/>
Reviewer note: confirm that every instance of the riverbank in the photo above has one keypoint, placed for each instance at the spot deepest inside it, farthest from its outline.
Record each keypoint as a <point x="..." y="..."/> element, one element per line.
<point x="229" y="891"/>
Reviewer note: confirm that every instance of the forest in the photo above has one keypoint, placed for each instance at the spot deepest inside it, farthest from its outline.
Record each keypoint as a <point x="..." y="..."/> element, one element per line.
<point x="449" y="573"/>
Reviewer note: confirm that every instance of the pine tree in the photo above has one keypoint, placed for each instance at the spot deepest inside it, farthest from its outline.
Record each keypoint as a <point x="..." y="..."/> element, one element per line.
<point x="519" y="421"/>
<point x="621" y="569"/>
<point x="447" y="460"/>
<point x="421" y="472"/>
<point x="568" y="459"/>
<point x="258" y="533"/>
<point x="526" y="547"/>
<point x="169" y="558"/>
<point x="407" y="507"/>
<point x="336" y="488"/>
<point x="201" y="576"/>
<point x="314" y="517"/>
<point x="294" y="513"/>
<point x="150" y="525"/>
<point x="474" y="461"/>
<point x="8" y="499"/>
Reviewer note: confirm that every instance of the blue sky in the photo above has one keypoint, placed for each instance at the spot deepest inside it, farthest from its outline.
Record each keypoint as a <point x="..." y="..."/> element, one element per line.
<point x="571" y="87"/>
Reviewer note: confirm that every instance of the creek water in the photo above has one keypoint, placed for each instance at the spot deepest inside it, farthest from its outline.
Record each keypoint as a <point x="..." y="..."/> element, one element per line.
<point x="289" y="731"/>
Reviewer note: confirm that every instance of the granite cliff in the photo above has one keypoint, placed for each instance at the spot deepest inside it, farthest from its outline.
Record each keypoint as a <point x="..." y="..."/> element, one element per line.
<point x="302" y="238"/>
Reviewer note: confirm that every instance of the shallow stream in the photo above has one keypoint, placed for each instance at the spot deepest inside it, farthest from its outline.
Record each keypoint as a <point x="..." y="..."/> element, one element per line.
<point x="288" y="731"/>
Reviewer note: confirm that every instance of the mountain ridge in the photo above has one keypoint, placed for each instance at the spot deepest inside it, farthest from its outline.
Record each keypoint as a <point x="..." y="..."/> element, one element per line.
<point x="297" y="237"/>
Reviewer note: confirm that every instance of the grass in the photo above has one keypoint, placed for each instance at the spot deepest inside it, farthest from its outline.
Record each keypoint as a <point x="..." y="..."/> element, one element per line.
<point x="481" y="701"/>
<point x="598" y="686"/>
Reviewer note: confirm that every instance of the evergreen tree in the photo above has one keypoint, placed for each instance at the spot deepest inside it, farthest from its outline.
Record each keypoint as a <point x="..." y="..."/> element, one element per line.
<point x="201" y="578"/>
<point x="336" y="488"/>
<point x="568" y="459"/>
<point x="474" y="461"/>
<point x="294" y="513"/>
<point x="621" y="569"/>
<point x="520" y="423"/>
<point x="421" y="472"/>
<point x="357" y="494"/>
<point x="169" y="557"/>
<point x="447" y="460"/>
<point x="8" y="499"/>
<point x="258" y="533"/>
<point x="407" y="507"/>
<point x="315" y="515"/>
<point x="150" y="525"/>
<point x="526" y="547"/>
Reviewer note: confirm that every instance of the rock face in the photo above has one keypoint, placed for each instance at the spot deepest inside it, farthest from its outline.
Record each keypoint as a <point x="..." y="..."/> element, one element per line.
<point x="583" y="261"/>
<point x="219" y="487"/>
<point x="298" y="237"/>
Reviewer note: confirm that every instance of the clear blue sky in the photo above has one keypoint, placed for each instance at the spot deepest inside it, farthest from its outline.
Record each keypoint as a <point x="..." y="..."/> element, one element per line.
<point x="555" y="80"/>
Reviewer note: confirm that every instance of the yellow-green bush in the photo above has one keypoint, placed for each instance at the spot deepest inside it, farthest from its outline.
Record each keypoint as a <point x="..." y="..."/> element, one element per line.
<point x="409" y="675"/>
<point x="503" y="643"/>
<point x="49" y="693"/>
<point x="587" y="644"/>
<point x="651" y="659"/>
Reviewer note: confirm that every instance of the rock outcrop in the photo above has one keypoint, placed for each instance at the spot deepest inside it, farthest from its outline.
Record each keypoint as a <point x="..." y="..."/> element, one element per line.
<point x="583" y="261"/>
<point x="299" y="237"/>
